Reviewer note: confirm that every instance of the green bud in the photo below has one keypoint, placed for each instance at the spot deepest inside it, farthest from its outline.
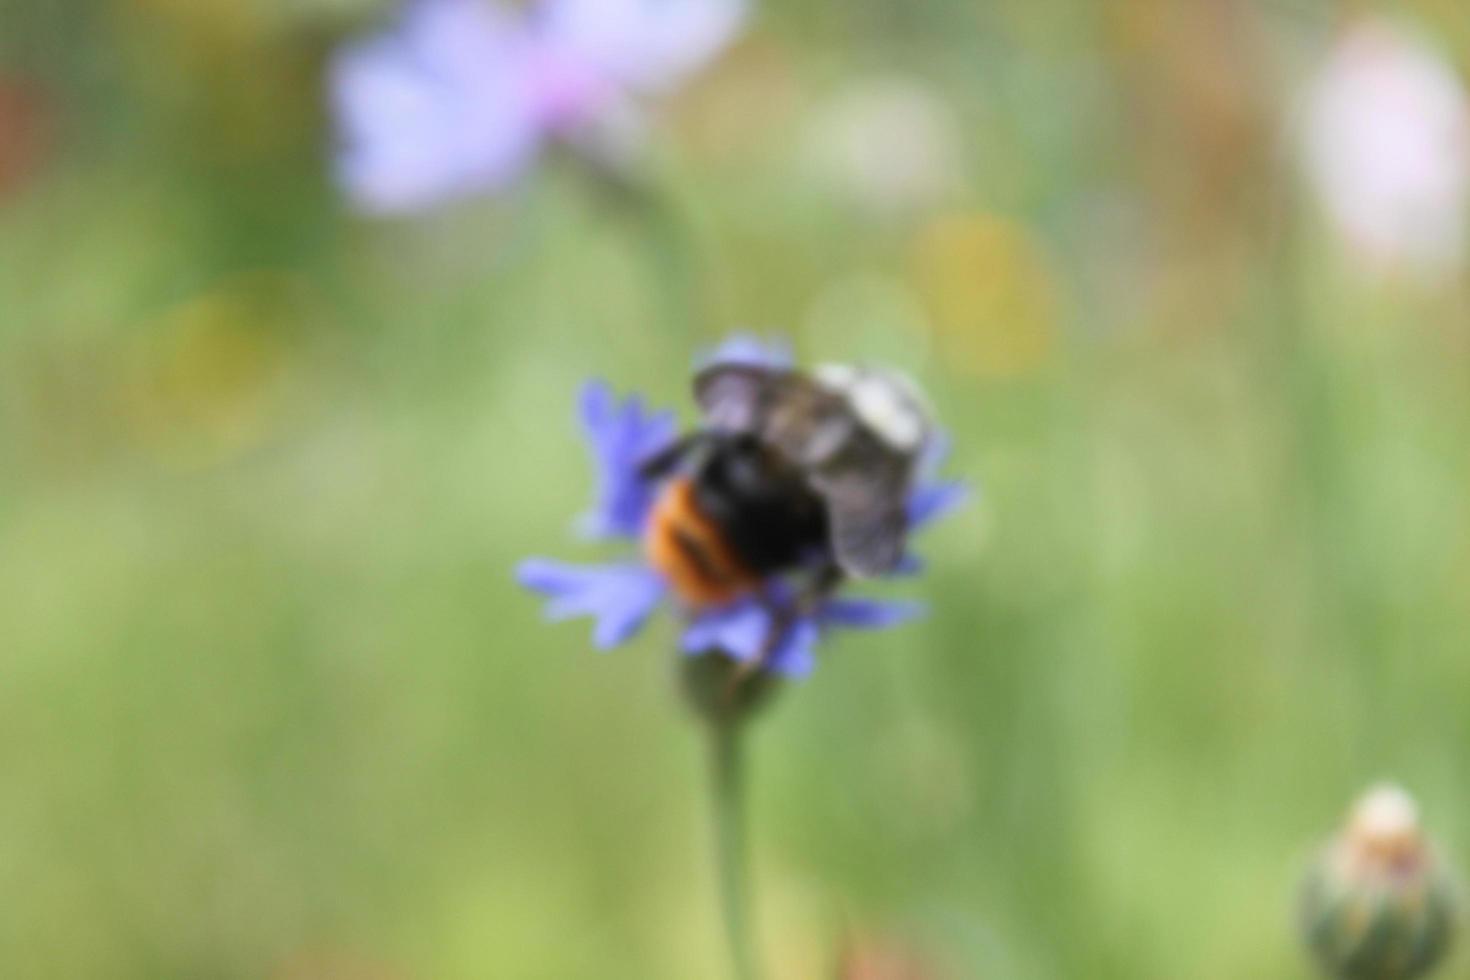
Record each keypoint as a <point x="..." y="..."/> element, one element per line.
<point x="724" y="691"/>
<point x="1376" y="903"/>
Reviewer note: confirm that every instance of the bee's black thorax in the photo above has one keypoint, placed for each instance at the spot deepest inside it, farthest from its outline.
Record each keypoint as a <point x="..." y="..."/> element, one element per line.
<point x="768" y="514"/>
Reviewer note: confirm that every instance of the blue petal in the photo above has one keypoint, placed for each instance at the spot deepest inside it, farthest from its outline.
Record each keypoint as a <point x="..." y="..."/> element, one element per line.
<point x="931" y="501"/>
<point x="550" y="578"/>
<point x="618" y="597"/>
<point x="621" y="436"/>
<point x="740" y="630"/>
<point x="795" y="655"/>
<point x="869" y="614"/>
<point x="743" y="630"/>
<point x="933" y="498"/>
<point x="748" y="348"/>
<point x="595" y="403"/>
<point x="908" y="566"/>
<point x="936" y="451"/>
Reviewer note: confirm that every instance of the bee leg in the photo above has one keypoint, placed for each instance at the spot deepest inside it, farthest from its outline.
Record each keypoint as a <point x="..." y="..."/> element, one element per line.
<point x="784" y="618"/>
<point x="662" y="463"/>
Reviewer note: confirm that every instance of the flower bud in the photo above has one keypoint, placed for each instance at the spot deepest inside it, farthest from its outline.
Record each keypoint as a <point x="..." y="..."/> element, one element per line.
<point x="1377" y="904"/>
<point x="722" y="690"/>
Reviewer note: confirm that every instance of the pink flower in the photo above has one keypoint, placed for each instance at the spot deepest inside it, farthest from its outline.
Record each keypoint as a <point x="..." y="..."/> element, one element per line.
<point x="1386" y="141"/>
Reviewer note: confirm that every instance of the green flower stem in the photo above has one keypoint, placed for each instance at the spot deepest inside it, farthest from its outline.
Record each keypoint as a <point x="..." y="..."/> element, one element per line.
<point x="727" y="795"/>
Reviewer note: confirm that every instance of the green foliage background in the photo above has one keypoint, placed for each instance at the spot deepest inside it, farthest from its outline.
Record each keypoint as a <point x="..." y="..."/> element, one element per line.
<point x="271" y="706"/>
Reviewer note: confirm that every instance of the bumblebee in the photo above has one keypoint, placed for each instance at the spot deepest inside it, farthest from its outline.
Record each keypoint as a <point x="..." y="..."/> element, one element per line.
<point x="788" y="472"/>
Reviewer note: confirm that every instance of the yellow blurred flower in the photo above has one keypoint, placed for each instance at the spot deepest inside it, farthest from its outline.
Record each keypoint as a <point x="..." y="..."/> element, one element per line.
<point x="990" y="295"/>
<point x="208" y="379"/>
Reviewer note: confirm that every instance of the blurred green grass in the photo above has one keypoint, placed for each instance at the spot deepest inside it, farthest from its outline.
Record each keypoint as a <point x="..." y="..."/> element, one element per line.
<point x="272" y="706"/>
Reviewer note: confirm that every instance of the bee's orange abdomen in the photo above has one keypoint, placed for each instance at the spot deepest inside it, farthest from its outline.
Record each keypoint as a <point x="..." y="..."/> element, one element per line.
<point x="690" y="552"/>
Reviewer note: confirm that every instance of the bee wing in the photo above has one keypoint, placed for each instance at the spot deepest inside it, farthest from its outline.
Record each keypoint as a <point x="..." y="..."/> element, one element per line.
<point x="865" y="496"/>
<point x="863" y="481"/>
<point x="784" y="409"/>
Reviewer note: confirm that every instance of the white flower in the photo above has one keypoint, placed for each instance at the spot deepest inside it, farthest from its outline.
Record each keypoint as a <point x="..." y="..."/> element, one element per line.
<point x="1386" y="140"/>
<point x="890" y="145"/>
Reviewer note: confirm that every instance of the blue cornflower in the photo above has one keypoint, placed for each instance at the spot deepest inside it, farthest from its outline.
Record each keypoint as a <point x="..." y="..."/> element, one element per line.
<point x="620" y="597"/>
<point x="460" y="97"/>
